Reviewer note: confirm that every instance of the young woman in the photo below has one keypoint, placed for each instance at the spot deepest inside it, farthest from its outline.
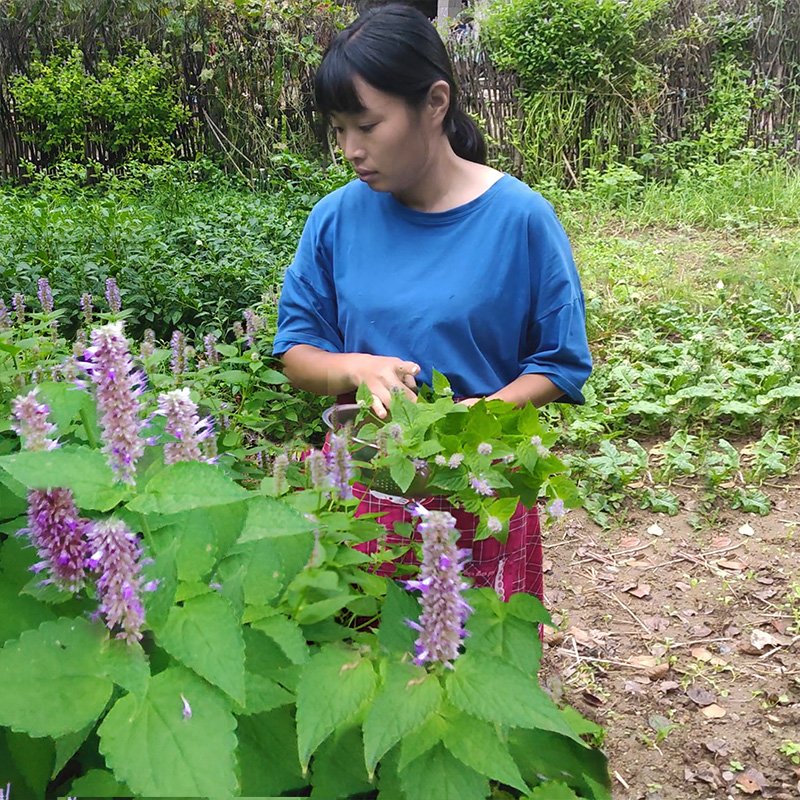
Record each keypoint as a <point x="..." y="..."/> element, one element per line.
<point x="429" y="260"/>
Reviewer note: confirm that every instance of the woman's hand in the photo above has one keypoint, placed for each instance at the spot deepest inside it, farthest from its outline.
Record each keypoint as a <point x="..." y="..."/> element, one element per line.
<point x="384" y="375"/>
<point x="469" y="401"/>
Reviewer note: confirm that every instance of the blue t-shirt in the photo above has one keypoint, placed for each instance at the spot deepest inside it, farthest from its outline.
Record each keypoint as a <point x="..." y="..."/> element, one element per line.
<point x="483" y="293"/>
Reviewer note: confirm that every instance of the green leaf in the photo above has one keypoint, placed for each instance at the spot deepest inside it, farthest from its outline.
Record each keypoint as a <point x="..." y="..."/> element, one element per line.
<point x="34" y="759"/>
<point x="67" y="746"/>
<point x="269" y="517"/>
<point x="205" y="635"/>
<point x="438" y="775"/>
<point x="127" y="665"/>
<point x="159" y="752"/>
<point x="80" y="469"/>
<point x="515" y="698"/>
<point x="530" y="608"/>
<point x="422" y="739"/>
<point x="19" y="613"/>
<point x="65" y="402"/>
<point x="267" y="754"/>
<point x="440" y="385"/>
<point x="52" y="679"/>
<point x="333" y="686"/>
<point x="263" y="694"/>
<point x="477" y="744"/>
<point x="364" y="396"/>
<point x="286" y="632"/>
<point x="403" y="473"/>
<point x="394" y="633"/>
<point x="98" y="783"/>
<point x="322" y="609"/>
<point x="185" y="486"/>
<point x="407" y="698"/>
<point x="157" y="604"/>
<point x="338" y="766"/>
<point x="552" y="791"/>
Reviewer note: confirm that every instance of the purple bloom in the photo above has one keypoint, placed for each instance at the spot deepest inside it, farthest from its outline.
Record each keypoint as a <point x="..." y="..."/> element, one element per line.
<point x="187" y="709"/>
<point x="184" y="424"/>
<point x="5" y="317"/>
<point x="87" y="307"/>
<point x="318" y="468"/>
<point x="18" y="304"/>
<point x="112" y="296"/>
<point x="444" y="610"/>
<point x="178" y="360"/>
<point x="395" y="432"/>
<point x="341" y="468"/>
<point x="485" y="449"/>
<point x="279" y="472"/>
<point x="30" y="422"/>
<point x="148" y="343"/>
<point x="108" y="363"/>
<point x="45" y="295"/>
<point x="556" y="509"/>
<point x="115" y="554"/>
<point x="6" y="795"/>
<point x="210" y="347"/>
<point x="254" y="325"/>
<point x="480" y="485"/>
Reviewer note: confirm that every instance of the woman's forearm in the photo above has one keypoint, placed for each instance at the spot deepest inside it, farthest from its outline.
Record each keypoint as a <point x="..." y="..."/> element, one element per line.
<point x="317" y="370"/>
<point x="536" y="389"/>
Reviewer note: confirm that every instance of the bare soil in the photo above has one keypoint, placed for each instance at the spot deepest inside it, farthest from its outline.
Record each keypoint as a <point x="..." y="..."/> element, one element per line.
<point x="684" y="645"/>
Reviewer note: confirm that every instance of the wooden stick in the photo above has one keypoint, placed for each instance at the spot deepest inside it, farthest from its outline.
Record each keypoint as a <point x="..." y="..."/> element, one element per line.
<point x="614" y="597"/>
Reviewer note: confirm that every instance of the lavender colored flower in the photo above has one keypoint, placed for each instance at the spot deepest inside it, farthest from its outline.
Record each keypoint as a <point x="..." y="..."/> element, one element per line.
<point x="210" y="347"/>
<point x="444" y="610"/>
<point x="395" y="432"/>
<point x="5" y="317"/>
<point x="455" y="460"/>
<point x="494" y="525"/>
<point x="45" y="295"/>
<point x="341" y="468"/>
<point x="420" y="464"/>
<point x="279" y="472"/>
<point x="18" y="304"/>
<point x="254" y="325"/>
<point x="187" y="709"/>
<point x="87" y="308"/>
<point x="556" y="509"/>
<point x="184" y="424"/>
<point x="238" y="330"/>
<point x="112" y="296"/>
<point x="119" y="386"/>
<point x="30" y="422"/>
<point x="178" y="361"/>
<point x="115" y="555"/>
<point x="80" y="344"/>
<point x="440" y="460"/>
<point x="480" y="485"/>
<point x="148" y="343"/>
<point x="318" y="469"/>
<point x="485" y="449"/>
<point x="6" y="795"/>
<point x="69" y="370"/>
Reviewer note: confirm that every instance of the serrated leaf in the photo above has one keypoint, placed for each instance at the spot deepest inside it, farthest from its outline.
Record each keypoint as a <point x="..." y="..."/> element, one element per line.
<point x="80" y="469"/>
<point x="159" y="752"/>
<point x="553" y="790"/>
<point x="51" y="678"/>
<point x="394" y="634"/>
<point x="403" y="473"/>
<point x="364" y="396"/>
<point x="516" y="699"/>
<point x="67" y="746"/>
<point x="511" y="639"/>
<point x="205" y="635"/>
<point x="34" y="759"/>
<point x="338" y="766"/>
<point x="419" y="741"/>
<point x="530" y="608"/>
<point x="98" y="783"/>
<point x="185" y="486"/>
<point x="440" y="384"/>
<point x="477" y="744"/>
<point x="268" y="517"/>
<point x="333" y="686"/>
<point x="158" y="603"/>
<point x="438" y="775"/>
<point x="287" y="634"/>
<point x="263" y="694"/>
<point x="407" y="698"/>
<point x="267" y="754"/>
<point x="127" y="665"/>
<point x="19" y="613"/>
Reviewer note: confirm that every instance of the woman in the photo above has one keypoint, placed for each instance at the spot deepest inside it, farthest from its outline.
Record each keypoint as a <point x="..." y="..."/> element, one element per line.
<point x="431" y="259"/>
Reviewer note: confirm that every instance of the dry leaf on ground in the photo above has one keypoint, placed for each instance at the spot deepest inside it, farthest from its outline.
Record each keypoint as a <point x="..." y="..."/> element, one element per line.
<point x="713" y="711"/>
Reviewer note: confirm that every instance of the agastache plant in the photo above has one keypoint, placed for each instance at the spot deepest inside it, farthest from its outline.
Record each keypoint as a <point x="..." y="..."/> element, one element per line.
<point x="87" y="308"/>
<point x="18" y="304"/>
<point x="119" y="386"/>
<point x="185" y="425"/>
<point x="55" y="527"/>
<point x="341" y="468"/>
<point x="210" y="347"/>
<point x="5" y="317"/>
<point x="112" y="296"/>
<point x="444" y="610"/>
<point x="45" y="295"/>
<point x="178" y="361"/>
<point x="115" y="555"/>
<point x="254" y="325"/>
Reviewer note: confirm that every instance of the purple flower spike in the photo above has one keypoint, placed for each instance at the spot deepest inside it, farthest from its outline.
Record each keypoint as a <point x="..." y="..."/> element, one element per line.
<point x="115" y="553"/>
<point x="480" y="485"/>
<point x="178" y="361"/>
<point x="556" y="508"/>
<point x="148" y="343"/>
<point x="30" y="422"/>
<point x="45" y="295"/>
<point x="18" y="304"/>
<point x="341" y="469"/>
<point x="112" y="296"/>
<point x="109" y="365"/>
<point x="318" y="470"/>
<point x="5" y="317"/>
<point x="87" y="308"/>
<point x="238" y="330"/>
<point x="253" y="325"/>
<point x="184" y="424"/>
<point x="210" y="347"/>
<point x="444" y="610"/>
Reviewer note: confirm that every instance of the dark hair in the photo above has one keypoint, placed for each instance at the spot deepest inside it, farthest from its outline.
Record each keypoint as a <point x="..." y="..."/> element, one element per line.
<point x="397" y="50"/>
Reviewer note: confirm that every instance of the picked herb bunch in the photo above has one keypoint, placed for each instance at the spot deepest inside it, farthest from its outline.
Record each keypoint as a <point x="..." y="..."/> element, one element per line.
<point x="484" y="458"/>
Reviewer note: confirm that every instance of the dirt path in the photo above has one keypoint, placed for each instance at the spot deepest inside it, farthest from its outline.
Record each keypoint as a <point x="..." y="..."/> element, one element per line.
<point x="685" y="646"/>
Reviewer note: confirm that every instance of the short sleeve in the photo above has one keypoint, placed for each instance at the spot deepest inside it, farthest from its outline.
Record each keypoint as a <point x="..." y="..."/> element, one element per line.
<point x="556" y="344"/>
<point x="307" y="311"/>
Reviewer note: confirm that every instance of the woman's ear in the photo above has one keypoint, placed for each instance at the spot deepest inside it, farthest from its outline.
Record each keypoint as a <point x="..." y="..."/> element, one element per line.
<point x="438" y="101"/>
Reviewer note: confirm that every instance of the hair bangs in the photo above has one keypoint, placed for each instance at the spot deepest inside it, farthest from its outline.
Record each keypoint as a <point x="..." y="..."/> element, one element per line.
<point x="334" y="85"/>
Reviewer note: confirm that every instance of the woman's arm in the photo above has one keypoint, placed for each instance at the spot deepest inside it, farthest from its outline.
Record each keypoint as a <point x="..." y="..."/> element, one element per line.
<point x="536" y="389"/>
<point x="321" y="372"/>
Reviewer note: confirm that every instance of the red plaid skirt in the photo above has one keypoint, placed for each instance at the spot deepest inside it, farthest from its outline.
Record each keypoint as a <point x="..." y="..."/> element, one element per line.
<point x="515" y="566"/>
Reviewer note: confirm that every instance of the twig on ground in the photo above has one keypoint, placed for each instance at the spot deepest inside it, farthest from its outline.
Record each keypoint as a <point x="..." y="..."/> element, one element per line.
<point x="615" y="598"/>
<point x="621" y="780"/>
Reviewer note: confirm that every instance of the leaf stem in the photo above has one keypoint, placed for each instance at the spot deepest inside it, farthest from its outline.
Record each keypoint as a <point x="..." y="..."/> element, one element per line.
<point x="88" y="428"/>
<point x="148" y="535"/>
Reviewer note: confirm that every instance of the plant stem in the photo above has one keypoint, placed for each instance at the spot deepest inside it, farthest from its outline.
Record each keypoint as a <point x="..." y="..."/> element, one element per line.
<point x="88" y="428"/>
<point x="148" y="536"/>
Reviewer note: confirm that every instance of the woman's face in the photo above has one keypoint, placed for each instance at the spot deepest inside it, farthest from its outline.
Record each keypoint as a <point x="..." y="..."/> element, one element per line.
<point x="389" y="143"/>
